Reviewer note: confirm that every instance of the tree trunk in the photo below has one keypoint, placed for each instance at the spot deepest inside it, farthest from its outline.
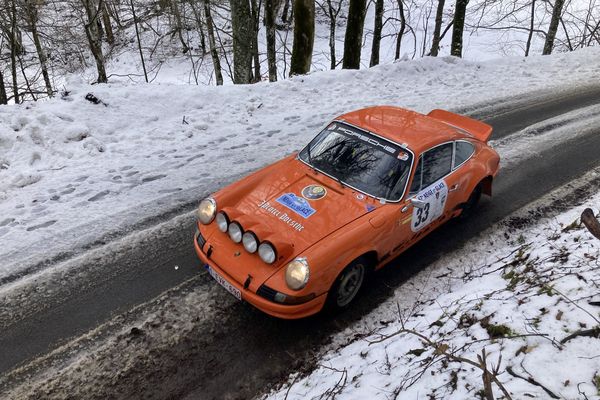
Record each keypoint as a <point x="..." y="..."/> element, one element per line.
<point x="139" y="42"/>
<point x="528" y="46"/>
<point x="332" y="26"/>
<point x="91" y="31"/>
<point x="255" y="25"/>
<point x="556" y="12"/>
<point x="304" y="36"/>
<point x="38" y="47"/>
<point x="402" y="28"/>
<point x="354" y="32"/>
<point x="179" y="25"/>
<point x="285" y="13"/>
<point x="110" y="37"/>
<point x="3" y="96"/>
<point x="241" y="21"/>
<point x="435" y="42"/>
<point x="211" y="42"/>
<point x="31" y="12"/>
<point x="270" y="13"/>
<point x="13" y="50"/>
<point x="457" y="29"/>
<point x="378" y="27"/>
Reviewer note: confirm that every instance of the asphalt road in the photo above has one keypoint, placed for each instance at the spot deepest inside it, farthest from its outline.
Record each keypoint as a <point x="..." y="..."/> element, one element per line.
<point x="246" y="350"/>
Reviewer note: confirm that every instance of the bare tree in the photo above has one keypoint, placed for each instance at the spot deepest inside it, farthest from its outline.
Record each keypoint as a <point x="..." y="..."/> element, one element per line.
<point x="332" y="11"/>
<point x="435" y="41"/>
<point x="354" y="32"/>
<point x="241" y="22"/>
<point x="402" y="29"/>
<point x="110" y="37"/>
<point x="91" y="31"/>
<point x="531" y="26"/>
<point x="556" y="13"/>
<point x="15" y="47"/>
<point x="31" y="12"/>
<point x="179" y="24"/>
<point x="3" y="97"/>
<point x="459" y="24"/>
<point x="139" y="42"/>
<point x="377" y="28"/>
<point x="270" y="12"/>
<point x="304" y="36"/>
<point x="211" y="43"/>
<point x="255" y="26"/>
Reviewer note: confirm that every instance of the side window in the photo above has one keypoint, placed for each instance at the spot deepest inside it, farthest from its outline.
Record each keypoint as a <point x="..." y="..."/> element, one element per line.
<point x="415" y="187"/>
<point x="437" y="163"/>
<point x="463" y="151"/>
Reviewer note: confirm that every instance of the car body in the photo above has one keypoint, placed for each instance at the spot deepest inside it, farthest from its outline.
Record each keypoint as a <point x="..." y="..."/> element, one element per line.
<point x="370" y="185"/>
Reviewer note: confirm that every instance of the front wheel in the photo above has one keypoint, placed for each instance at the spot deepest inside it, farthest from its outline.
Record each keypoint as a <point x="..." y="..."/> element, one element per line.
<point x="347" y="285"/>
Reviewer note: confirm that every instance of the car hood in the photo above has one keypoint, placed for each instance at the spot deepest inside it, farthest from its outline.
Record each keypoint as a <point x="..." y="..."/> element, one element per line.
<point x="299" y="206"/>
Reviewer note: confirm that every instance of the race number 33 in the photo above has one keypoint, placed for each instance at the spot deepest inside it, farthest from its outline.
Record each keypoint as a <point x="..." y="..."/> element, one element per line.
<point x="434" y="197"/>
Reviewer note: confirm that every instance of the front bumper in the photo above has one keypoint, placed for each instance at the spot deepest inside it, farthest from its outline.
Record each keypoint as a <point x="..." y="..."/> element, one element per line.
<point x="284" y="311"/>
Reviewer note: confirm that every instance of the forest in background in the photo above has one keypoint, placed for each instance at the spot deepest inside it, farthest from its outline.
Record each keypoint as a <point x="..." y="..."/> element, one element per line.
<point x="42" y="42"/>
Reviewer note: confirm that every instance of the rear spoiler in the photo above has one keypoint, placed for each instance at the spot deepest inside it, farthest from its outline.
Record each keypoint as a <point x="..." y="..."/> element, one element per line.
<point x="478" y="129"/>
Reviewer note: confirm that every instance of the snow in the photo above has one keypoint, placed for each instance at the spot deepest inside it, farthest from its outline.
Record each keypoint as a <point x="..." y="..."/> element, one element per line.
<point x="535" y="286"/>
<point x="73" y="172"/>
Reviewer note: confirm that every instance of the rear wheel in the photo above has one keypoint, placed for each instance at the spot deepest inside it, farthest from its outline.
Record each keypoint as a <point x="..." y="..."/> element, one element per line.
<point x="471" y="204"/>
<point x="347" y="285"/>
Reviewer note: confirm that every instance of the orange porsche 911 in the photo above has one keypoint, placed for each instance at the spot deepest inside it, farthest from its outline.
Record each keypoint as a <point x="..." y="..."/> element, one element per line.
<point x="301" y="234"/>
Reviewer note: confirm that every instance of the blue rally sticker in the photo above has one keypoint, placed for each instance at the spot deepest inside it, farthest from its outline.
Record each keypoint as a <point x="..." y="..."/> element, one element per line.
<point x="297" y="204"/>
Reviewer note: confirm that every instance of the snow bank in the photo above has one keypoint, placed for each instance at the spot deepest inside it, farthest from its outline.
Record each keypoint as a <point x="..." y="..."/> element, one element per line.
<point x="518" y="299"/>
<point x="72" y="171"/>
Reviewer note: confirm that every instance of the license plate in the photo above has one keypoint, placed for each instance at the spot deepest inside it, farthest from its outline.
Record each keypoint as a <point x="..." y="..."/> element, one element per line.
<point x="228" y="286"/>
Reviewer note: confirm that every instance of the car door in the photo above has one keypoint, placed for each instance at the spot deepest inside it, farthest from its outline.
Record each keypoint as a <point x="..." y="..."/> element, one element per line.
<point x="432" y="183"/>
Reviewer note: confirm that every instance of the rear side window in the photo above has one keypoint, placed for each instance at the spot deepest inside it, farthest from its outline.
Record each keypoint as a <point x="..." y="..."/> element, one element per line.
<point x="437" y="164"/>
<point x="463" y="151"/>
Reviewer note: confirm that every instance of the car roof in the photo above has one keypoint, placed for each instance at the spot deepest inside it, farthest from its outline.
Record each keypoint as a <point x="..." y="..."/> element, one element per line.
<point x="417" y="131"/>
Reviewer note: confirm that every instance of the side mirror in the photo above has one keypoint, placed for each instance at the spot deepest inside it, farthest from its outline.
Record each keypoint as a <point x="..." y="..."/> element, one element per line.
<point x="417" y="203"/>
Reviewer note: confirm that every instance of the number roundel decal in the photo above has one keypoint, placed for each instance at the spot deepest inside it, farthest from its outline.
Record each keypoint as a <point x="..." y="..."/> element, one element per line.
<point x="434" y="197"/>
<point x="314" y="192"/>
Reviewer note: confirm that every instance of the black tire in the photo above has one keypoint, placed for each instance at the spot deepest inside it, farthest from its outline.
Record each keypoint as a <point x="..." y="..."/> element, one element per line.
<point x="347" y="285"/>
<point x="471" y="204"/>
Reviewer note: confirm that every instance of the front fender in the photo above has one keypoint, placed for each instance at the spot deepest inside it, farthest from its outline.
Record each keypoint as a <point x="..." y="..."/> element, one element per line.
<point x="328" y="257"/>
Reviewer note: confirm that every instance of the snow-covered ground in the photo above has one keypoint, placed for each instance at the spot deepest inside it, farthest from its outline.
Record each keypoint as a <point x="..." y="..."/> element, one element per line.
<point x="516" y="294"/>
<point x="72" y="171"/>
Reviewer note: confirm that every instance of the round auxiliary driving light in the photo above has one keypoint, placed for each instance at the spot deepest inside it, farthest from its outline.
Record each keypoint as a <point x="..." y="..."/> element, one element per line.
<point x="266" y="251"/>
<point x="250" y="242"/>
<point x="235" y="232"/>
<point x="222" y="221"/>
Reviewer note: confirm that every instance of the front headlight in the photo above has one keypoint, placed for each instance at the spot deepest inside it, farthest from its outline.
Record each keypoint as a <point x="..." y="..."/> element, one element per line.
<point x="266" y="251"/>
<point x="207" y="210"/>
<point x="297" y="274"/>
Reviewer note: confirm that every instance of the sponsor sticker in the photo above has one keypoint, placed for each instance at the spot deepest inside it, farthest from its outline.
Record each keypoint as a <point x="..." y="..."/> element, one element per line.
<point x="314" y="192"/>
<point x="281" y="216"/>
<point x="297" y="204"/>
<point x="402" y="156"/>
<point x="434" y="198"/>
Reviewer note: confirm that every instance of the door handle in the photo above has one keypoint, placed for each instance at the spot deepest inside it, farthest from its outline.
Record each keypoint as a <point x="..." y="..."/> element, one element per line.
<point x="453" y="188"/>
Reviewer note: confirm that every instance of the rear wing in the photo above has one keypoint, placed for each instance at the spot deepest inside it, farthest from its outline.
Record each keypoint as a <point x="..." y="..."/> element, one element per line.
<point x="478" y="129"/>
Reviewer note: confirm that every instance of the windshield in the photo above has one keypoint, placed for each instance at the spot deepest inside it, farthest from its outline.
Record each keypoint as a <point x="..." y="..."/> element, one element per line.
<point x="361" y="160"/>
